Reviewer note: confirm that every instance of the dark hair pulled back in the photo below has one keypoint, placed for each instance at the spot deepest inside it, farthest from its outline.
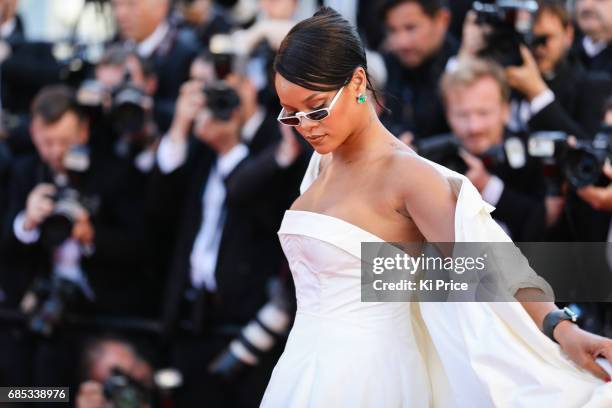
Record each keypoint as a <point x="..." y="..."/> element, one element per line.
<point x="321" y="53"/>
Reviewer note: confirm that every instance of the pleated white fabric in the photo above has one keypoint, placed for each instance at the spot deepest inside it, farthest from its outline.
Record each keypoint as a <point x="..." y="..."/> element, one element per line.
<point x="342" y="352"/>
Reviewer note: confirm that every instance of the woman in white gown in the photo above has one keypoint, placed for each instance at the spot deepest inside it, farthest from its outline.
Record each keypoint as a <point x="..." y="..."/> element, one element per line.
<point x="363" y="185"/>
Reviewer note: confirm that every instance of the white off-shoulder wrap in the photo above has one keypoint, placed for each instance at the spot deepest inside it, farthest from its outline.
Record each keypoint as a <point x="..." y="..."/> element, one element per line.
<point x="492" y="354"/>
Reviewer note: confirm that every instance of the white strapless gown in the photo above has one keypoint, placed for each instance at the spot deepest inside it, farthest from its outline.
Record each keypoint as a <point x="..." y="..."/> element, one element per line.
<point x="342" y="352"/>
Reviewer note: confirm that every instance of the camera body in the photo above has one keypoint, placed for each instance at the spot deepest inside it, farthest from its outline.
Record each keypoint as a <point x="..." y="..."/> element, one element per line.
<point x="126" y="105"/>
<point x="506" y="28"/>
<point x="125" y="392"/>
<point x="69" y="200"/>
<point x="129" y="107"/>
<point x="580" y="164"/>
<point x="222" y="100"/>
<point x="444" y="149"/>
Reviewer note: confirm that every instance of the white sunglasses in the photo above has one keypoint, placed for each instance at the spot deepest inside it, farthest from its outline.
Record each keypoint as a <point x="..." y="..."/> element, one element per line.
<point x="316" y="115"/>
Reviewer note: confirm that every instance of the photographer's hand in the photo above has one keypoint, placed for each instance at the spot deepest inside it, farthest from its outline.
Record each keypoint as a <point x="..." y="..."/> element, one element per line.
<point x="39" y="205"/>
<point x="473" y="39"/>
<point x="600" y="198"/>
<point x="527" y="78"/>
<point x="477" y="172"/>
<point x="90" y="395"/>
<point x="190" y="101"/>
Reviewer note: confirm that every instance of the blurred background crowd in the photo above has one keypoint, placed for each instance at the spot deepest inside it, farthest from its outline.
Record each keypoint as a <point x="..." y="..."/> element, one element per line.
<point x="143" y="174"/>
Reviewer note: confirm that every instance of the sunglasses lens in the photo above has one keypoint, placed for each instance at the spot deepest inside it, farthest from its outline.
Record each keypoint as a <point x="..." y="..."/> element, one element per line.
<point x="290" y="121"/>
<point x="318" y="115"/>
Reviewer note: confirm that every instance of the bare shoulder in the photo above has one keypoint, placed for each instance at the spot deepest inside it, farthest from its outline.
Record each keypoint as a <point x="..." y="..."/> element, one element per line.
<point x="417" y="177"/>
<point x="425" y="194"/>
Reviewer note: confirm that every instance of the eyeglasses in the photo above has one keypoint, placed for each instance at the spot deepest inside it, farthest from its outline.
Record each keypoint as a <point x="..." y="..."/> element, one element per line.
<point x="316" y="115"/>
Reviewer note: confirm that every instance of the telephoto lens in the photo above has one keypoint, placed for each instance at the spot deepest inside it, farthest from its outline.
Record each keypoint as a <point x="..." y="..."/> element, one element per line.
<point x="256" y="339"/>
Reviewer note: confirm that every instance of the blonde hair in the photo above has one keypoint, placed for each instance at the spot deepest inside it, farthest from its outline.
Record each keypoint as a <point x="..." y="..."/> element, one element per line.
<point x="468" y="71"/>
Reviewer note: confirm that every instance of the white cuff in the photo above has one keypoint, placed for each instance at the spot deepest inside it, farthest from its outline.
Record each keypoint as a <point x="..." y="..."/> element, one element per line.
<point x="541" y="101"/>
<point x="493" y="190"/>
<point x="229" y="161"/>
<point x="452" y="64"/>
<point x="24" y="236"/>
<point x="171" y="154"/>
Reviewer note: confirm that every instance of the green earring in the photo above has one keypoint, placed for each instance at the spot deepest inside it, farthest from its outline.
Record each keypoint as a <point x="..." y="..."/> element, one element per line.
<point x="362" y="98"/>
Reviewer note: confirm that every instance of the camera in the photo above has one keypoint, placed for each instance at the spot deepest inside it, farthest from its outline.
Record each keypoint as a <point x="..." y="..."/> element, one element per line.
<point x="129" y="107"/>
<point x="126" y="105"/>
<point x="69" y="201"/>
<point x="444" y="149"/>
<point x="223" y="55"/>
<point x="125" y="392"/>
<point x="222" y="100"/>
<point x="581" y="164"/>
<point x="47" y="302"/>
<point x="508" y="24"/>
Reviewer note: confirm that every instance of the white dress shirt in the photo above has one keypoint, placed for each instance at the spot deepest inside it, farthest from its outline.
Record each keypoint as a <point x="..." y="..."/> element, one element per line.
<point x="171" y="155"/>
<point x="522" y="110"/>
<point x="593" y="48"/>
<point x="147" y="47"/>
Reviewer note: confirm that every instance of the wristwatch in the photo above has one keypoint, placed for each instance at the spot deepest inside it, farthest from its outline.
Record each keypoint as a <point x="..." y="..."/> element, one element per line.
<point x="555" y="317"/>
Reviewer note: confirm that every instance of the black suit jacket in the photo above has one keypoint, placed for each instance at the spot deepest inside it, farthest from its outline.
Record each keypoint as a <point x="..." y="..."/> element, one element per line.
<point x="602" y="62"/>
<point x="579" y="101"/>
<point x="172" y="61"/>
<point x="115" y="271"/>
<point x="249" y="252"/>
<point x="413" y="95"/>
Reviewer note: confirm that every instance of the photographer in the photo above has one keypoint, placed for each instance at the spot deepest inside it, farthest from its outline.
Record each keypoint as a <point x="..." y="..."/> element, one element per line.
<point x="205" y="17"/>
<point x="600" y="198"/>
<point x="70" y="217"/>
<point x="114" y="375"/>
<point x="420" y="47"/>
<point x="226" y="250"/>
<point x="144" y="24"/>
<point x="594" y="47"/>
<point x="121" y="105"/>
<point x="551" y="92"/>
<point x="476" y="99"/>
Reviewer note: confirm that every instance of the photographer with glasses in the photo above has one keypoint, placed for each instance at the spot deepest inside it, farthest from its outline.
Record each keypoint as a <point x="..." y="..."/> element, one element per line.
<point x="551" y="91"/>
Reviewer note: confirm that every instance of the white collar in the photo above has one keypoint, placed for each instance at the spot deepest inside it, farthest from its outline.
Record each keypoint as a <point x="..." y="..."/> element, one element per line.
<point x="147" y="47"/>
<point x="8" y="27"/>
<point x="252" y="125"/>
<point x="593" y="48"/>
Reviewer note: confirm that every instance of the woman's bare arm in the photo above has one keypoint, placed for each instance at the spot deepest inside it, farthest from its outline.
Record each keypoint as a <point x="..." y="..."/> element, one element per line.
<point x="429" y="200"/>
